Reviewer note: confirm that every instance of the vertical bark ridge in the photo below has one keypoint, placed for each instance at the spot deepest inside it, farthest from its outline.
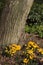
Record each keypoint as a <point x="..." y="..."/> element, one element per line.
<point x="13" y="20"/>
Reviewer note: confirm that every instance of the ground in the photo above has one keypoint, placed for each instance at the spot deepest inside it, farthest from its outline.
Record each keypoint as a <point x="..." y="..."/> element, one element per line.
<point x="24" y="39"/>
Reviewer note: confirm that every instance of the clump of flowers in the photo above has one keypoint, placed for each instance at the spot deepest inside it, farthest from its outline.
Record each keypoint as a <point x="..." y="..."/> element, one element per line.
<point x="34" y="47"/>
<point x="11" y="49"/>
<point x="26" y="55"/>
<point x="31" y="51"/>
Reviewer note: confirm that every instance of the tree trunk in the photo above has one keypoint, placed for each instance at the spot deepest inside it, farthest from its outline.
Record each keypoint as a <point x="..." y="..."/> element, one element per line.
<point x="13" y="20"/>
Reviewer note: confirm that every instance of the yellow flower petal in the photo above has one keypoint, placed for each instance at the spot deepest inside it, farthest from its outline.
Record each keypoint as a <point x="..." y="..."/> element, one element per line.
<point x="26" y="60"/>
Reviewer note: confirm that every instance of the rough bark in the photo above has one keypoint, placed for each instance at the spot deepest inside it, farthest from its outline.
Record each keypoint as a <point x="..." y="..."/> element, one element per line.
<point x="13" y="20"/>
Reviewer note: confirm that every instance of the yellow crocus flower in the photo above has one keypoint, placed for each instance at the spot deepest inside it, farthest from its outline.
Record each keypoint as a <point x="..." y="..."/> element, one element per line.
<point x="26" y="60"/>
<point x="31" y="57"/>
<point x="18" y="47"/>
<point x="42" y="52"/>
<point x="40" y="49"/>
<point x="31" y="42"/>
<point x="30" y="51"/>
